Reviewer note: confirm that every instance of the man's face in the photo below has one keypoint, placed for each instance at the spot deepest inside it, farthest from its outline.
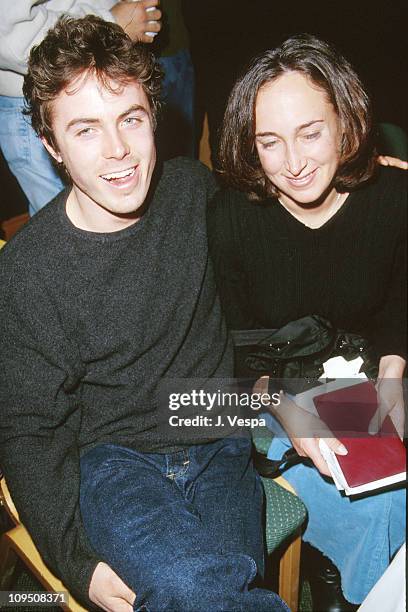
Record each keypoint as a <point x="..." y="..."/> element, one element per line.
<point x="106" y="143"/>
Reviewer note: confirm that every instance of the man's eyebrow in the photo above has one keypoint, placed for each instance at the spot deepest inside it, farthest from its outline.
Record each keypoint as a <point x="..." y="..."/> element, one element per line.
<point x="93" y="120"/>
<point x="134" y="108"/>
<point x="300" y="127"/>
<point x="80" y="120"/>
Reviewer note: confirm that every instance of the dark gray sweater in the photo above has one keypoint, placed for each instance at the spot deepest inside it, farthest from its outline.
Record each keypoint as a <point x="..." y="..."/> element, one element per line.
<point x="90" y="324"/>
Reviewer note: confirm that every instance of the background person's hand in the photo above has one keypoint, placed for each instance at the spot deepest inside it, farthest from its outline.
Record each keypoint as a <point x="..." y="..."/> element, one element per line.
<point x="386" y="160"/>
<point x="109" y="592"/>
<point x="136" y="20"/>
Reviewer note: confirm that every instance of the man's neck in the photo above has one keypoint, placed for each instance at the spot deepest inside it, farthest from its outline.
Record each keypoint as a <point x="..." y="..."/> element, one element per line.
<point x="95" y="218"/>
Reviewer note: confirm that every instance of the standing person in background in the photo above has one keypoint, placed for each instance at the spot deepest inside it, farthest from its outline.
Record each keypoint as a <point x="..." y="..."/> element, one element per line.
<point x="24" y="24"/>
<point x="176" y="129"/>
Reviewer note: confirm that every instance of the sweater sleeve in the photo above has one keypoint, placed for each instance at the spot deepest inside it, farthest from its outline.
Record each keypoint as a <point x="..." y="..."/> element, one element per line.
<point x="388" y="326"/>
<point x="24" y="23"/>
<point x="227" y="259"/>
<point x="40" y="418"/>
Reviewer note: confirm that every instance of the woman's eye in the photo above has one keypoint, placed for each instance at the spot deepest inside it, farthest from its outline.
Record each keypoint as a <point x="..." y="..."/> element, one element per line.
<point x="312" y="136"/>
<point x="269" y="145"/>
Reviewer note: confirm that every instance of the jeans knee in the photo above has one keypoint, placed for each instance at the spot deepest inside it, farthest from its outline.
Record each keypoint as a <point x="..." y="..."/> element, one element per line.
<point x="190" y="583"/>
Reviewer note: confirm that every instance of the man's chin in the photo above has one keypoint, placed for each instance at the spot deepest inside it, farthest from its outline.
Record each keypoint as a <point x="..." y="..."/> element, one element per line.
<point x="131" y="210"/>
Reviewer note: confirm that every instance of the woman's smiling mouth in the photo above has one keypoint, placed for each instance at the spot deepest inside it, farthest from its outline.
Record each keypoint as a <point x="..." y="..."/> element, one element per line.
<point x="303" y="181"/>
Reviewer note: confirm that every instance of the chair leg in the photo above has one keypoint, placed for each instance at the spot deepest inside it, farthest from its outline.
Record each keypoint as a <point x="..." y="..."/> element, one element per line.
<point x="289" y="568"/>
<point x="8" y="560"/>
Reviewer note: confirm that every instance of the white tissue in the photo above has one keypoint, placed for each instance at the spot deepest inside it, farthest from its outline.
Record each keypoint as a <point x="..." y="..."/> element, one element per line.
<point x="338" y="367"/>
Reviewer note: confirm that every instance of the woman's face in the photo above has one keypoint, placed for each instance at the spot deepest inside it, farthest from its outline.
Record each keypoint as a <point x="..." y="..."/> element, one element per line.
<point x="297" y="137"/>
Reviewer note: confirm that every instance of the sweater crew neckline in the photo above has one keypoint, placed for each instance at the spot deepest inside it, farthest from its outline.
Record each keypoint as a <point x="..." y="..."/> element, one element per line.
<point x="119" y="234"/>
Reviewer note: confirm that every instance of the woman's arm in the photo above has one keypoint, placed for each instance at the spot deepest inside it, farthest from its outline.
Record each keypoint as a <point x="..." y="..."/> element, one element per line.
<point x="25" y="23"/>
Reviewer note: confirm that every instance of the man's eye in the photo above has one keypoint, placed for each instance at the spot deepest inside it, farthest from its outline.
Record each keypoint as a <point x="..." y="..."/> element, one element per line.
<point x="132" y="120"/>
<point x="85" y="131"/>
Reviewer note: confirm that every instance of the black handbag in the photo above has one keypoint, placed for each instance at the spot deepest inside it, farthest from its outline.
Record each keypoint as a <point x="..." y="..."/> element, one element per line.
<point x="293" y="358"/>
<point x="293" y="355"/>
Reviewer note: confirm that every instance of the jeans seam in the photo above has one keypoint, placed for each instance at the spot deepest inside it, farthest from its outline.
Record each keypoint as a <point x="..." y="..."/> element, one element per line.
<point x="254" y="568"/>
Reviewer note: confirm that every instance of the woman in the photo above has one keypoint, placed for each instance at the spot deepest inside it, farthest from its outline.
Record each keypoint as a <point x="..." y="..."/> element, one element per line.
<point x="312" y="226"/>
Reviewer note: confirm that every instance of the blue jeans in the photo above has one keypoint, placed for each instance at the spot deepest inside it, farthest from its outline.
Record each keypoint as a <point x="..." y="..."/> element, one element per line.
<point x="183" y="530"/>
<point x="176" y="133"/>
<point x="360" y="535"/>
<point x="26" y="156"/>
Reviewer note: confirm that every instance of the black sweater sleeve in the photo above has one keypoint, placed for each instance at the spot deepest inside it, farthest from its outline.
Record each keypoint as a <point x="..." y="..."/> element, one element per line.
<point x="40" y="416"/>
<point x="226" y="256"/>
<point x="388" y="325"/>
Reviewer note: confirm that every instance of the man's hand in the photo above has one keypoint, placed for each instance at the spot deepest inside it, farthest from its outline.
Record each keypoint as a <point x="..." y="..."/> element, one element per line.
<point x="109" y="592"/>
<point x="386" y="160"/>
<point x="136" y="20"/>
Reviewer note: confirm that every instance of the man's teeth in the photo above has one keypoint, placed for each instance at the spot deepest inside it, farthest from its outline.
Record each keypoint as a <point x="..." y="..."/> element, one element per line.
<point x="118" y="175"/>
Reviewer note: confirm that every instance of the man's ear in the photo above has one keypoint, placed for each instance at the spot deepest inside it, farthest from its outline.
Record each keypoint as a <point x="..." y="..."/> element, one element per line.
<point x="53" y="152"/>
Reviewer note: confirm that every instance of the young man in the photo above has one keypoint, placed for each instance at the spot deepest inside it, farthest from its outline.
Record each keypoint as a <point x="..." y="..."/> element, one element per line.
<point x="105" y="293"/>
<point x="24" y="24"/>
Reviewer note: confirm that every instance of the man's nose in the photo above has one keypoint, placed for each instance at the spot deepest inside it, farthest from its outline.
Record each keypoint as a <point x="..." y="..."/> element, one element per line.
<point x="295" y="161"/>
<point x="115" y="145"/>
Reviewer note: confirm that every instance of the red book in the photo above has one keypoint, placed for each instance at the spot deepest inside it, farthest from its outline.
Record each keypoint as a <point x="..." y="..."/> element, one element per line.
<point x="372" y="461"/>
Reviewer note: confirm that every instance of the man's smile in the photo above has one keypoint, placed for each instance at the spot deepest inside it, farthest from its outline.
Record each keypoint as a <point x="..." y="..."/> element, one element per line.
<point x="120" y="174"/>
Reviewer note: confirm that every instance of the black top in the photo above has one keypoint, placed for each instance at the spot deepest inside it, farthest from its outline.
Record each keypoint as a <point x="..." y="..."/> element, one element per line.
<point x="90" y="324"/>
<point x="272" y="269"/>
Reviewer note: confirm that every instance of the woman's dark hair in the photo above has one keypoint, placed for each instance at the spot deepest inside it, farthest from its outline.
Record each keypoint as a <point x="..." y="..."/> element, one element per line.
<point x="76" y="46"/>
<point x="329" y="71"/>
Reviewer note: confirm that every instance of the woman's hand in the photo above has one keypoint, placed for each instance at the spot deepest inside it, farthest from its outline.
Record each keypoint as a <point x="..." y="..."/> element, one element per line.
<point x="303" y="428"/>
<point x="386" y="160"/>
<point x="390" y="394"/>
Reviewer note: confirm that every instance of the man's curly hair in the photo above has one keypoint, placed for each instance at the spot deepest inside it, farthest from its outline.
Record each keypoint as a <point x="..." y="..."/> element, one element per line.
<point x="87" y="45"/>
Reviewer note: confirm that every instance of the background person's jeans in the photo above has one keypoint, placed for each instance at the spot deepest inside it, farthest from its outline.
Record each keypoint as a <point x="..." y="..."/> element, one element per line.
<point x="26" y="155"/>
<point x="183" y="530"/>
<point x="176" y="128"/>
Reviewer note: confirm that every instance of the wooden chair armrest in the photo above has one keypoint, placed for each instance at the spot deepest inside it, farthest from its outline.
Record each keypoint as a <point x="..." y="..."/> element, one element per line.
<point x="7" y="502"/>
